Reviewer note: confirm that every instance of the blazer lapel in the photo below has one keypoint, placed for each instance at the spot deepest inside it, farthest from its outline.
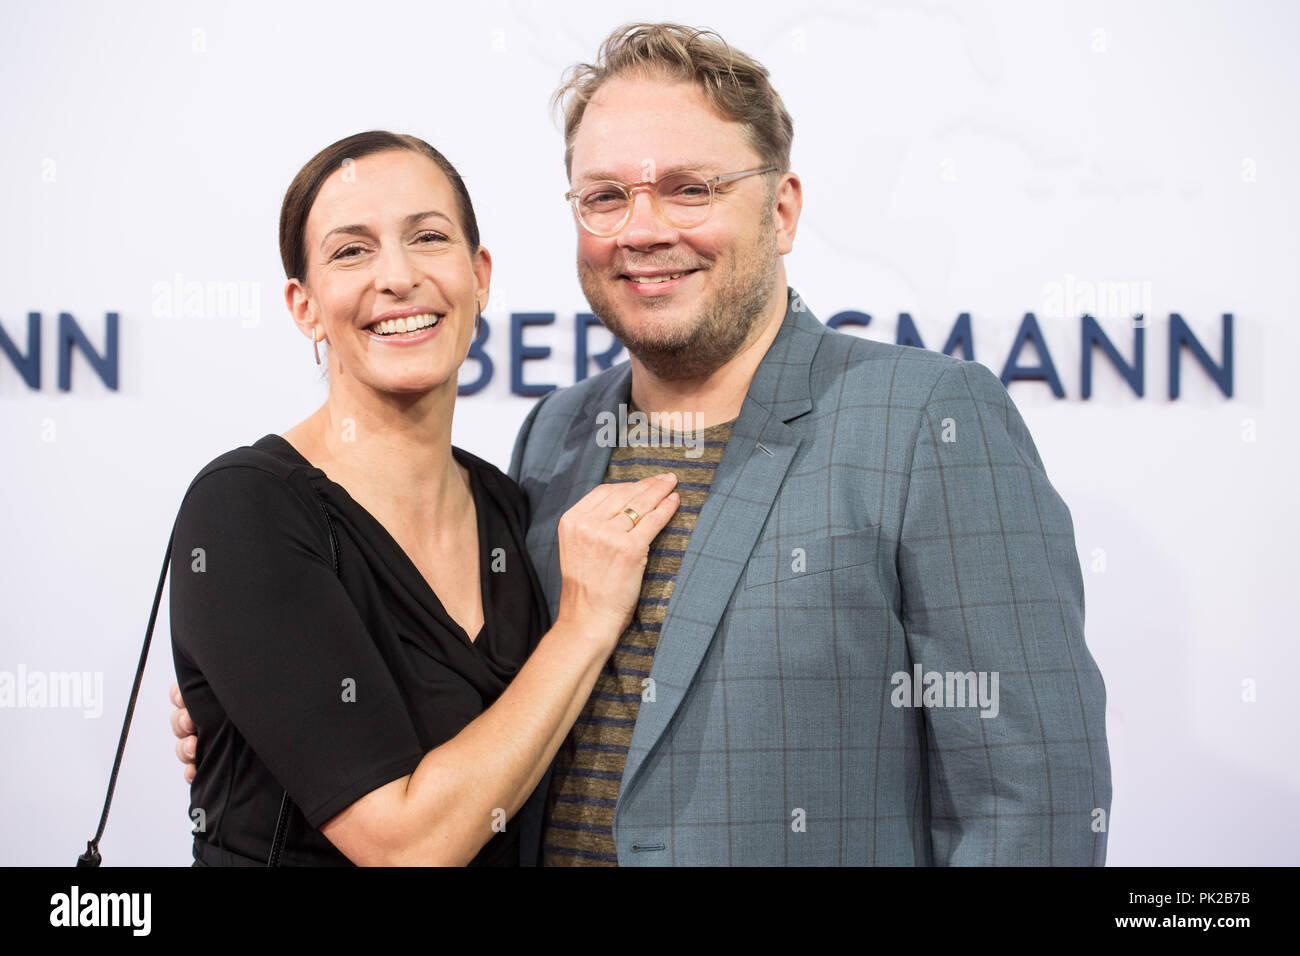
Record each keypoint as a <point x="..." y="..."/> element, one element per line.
<point x="747" y="482"/>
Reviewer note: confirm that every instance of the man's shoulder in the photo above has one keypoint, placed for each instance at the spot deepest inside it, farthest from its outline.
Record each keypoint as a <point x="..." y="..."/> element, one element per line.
<point x="848" y="369"/>
<point x="598" y="391"/>
<point x="548" y="423"/>
<point x="882" y="373"/>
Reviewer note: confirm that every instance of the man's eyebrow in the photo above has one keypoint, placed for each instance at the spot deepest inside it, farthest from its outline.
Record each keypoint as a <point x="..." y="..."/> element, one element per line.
<point x="601" y="175"/>
<point x="359" y="230"/>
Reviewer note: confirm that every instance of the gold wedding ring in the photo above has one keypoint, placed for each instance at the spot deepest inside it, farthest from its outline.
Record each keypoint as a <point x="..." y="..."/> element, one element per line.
<point x="631" y="513"/>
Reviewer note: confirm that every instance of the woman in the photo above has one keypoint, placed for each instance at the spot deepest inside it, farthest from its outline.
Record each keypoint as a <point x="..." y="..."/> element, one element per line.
<point x="359" y="664"/>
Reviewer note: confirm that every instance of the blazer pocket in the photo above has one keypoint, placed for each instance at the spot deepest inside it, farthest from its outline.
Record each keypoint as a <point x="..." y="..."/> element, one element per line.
<point x="817" y="556"/>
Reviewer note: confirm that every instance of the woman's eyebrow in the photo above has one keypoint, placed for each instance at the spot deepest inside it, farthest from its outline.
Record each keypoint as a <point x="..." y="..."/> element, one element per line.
<point x="412" y="219"/>
<point x="359" y="230"/>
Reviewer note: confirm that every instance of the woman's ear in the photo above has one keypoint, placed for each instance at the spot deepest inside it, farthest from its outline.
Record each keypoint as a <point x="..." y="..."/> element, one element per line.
<point x="482" y="277"/>
<point x="298" y="298"/>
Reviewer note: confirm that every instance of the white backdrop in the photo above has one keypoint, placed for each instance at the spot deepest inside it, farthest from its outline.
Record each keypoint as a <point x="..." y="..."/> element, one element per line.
<point x="956" y="157"/>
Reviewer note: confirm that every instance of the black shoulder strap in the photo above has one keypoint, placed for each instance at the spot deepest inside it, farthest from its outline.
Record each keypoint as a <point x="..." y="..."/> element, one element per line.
<point x="92" y="856"/>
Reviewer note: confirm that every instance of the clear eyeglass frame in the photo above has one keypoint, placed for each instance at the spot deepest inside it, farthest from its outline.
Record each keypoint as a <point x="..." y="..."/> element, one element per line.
<point x="574" y="197"/>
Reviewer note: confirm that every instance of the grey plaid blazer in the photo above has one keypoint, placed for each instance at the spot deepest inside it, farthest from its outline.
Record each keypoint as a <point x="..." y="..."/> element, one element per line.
<point x="880" y="544"/>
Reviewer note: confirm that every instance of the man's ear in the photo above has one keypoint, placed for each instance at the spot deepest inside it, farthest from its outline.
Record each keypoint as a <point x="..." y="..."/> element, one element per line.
<point x="787" y="204"/>
<point x="298" y="298"/>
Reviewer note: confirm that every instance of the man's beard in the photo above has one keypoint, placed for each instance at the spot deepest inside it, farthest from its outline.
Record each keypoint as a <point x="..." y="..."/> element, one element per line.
<point x="718" y="330"/>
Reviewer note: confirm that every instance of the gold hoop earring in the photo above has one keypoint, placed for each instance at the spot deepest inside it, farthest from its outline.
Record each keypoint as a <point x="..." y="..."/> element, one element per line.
<point x="314" y="349"/>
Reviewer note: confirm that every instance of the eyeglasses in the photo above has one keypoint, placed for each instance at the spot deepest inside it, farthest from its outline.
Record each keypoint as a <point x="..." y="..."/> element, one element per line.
<point x="682" y="200"/>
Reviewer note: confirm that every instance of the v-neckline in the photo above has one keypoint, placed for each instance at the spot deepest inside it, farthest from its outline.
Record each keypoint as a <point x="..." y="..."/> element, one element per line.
<point x="479" y="522"/>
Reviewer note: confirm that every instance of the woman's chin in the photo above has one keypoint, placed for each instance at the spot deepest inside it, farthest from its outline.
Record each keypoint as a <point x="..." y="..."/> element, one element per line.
<point x="410" y="383"/>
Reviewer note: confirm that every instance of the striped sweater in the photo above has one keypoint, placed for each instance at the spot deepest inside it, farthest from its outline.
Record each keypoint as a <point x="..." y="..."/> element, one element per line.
<point x="589" y="766"/>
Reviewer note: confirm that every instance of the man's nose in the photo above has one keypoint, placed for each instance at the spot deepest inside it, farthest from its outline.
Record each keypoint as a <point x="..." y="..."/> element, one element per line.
<point x="644" y="227"/>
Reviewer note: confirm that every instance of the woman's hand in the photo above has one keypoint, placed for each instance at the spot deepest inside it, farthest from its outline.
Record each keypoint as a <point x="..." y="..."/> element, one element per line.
<point x="603" y="554"/>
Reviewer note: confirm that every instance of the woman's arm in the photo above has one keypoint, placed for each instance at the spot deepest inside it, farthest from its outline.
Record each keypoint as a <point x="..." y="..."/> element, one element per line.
<point x="445" y="810"/>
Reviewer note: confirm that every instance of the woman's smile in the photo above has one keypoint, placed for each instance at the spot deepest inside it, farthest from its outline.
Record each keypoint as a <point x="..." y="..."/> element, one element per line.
<point x="405" y="326"/>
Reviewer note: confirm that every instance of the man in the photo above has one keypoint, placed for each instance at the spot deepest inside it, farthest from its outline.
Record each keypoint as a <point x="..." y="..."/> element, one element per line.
<point x="860" y="641"/>
<point x="872" y="516"/>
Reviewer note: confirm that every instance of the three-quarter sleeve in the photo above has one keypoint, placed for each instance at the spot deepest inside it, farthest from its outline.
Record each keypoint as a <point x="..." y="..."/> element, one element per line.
<point x="259" y="616"/>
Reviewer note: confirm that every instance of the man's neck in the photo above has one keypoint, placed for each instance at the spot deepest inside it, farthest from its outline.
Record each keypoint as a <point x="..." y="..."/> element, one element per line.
<point x="718" y="397"/>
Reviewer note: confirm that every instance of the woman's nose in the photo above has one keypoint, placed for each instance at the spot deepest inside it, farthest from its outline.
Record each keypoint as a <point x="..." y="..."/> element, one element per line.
<point x="399" y="286"/>
<point x="396" y="274"/>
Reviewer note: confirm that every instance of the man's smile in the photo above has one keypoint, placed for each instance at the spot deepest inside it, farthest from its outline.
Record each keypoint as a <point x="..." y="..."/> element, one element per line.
<point x="655" y="283"/>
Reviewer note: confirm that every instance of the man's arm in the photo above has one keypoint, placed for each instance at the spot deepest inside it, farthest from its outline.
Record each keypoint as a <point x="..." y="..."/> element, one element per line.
<point x="1018" y="770"/>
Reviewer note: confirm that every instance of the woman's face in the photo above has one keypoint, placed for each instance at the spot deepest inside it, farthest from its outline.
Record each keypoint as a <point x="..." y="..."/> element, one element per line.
<point x="385" y="242"/>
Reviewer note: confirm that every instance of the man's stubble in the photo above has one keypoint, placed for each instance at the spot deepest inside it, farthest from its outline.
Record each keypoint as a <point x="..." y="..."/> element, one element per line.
<point x="718" y="331"/>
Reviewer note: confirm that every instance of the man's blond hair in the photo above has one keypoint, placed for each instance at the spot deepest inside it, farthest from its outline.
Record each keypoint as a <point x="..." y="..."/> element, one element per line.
<point x="736" y="86"/>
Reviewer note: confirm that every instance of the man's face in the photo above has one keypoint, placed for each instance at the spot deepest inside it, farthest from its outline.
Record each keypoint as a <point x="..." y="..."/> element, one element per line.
<point x="682" y="329"/>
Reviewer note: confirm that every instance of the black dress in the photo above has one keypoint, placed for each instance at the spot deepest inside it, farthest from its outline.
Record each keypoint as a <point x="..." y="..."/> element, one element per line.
<point x="322" y="685"/>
